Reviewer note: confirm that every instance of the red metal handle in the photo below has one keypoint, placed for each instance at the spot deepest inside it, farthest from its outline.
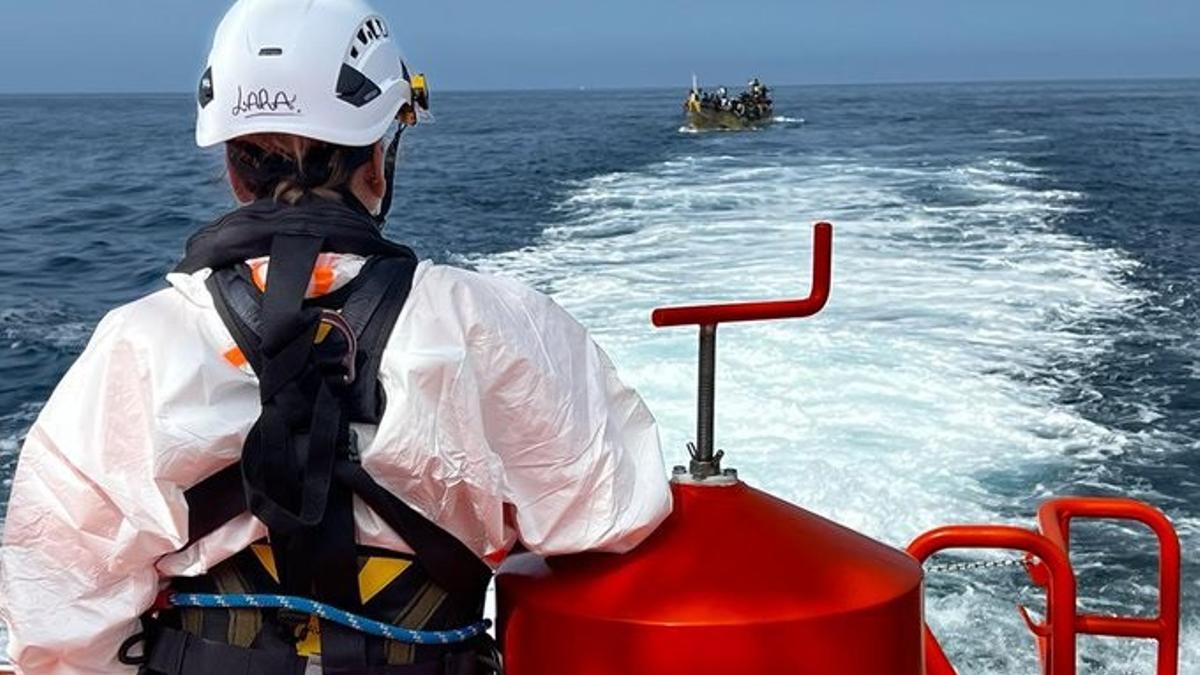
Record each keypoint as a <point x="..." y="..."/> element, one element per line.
<point x="1055" y="518"/>
<point x="1048" y="551"/>
<point x="706" y="315"/>
<point x="1059" y="646"/>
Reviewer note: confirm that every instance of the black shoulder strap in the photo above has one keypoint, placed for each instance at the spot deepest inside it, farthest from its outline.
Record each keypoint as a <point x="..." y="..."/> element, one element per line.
<point x="372" y="312"/>
<point x="238" y="303"/>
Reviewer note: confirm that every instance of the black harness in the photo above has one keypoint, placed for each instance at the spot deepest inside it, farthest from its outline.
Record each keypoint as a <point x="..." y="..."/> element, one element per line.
<point x="317" y="363"/>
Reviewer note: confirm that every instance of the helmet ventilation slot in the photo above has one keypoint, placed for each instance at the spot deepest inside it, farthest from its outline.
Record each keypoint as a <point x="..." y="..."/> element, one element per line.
<point x="371" y="31"/>
<point x="205" y="93"/>
<point x="355" y="88"/>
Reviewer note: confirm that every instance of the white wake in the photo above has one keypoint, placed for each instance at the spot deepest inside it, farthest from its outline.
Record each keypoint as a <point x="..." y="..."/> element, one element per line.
<point x="888" y="411"/>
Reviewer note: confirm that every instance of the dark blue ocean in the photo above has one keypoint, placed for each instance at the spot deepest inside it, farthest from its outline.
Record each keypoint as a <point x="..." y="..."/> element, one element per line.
<point x="1015" y="308"/>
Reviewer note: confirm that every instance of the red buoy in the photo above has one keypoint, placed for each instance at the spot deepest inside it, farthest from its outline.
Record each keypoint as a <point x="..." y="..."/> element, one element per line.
<point x="734" y="582"/>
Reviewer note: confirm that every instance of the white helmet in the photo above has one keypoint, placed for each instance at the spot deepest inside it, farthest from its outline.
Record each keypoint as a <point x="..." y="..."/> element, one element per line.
<point x="323" y="69"/>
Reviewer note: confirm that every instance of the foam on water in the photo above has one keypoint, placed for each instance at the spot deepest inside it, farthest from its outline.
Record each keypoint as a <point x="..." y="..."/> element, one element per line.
<point x="893" y="410"/>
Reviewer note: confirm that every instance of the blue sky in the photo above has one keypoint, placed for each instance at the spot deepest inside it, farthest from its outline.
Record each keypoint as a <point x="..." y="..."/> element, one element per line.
<point x="158" y="45"/>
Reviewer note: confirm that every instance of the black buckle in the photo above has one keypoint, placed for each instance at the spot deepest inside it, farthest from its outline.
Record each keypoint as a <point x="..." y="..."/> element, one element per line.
<point x="132" y="641"/>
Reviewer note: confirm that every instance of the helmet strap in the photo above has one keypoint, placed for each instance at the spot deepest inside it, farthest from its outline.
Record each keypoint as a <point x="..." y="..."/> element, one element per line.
<point x="389" y="175"/>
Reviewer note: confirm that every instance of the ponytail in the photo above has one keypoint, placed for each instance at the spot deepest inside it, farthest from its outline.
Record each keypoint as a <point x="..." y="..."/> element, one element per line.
<point x="290" y="168"/>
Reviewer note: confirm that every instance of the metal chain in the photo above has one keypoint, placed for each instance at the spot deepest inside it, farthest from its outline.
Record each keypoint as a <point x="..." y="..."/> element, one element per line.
<point x="977" y="565"/>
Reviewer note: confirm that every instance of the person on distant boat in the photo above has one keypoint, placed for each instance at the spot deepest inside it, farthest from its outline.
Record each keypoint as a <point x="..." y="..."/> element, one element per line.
<point x="723" y="100"/>
<point x="309" y="411"/>
<point x="757" y="91"/>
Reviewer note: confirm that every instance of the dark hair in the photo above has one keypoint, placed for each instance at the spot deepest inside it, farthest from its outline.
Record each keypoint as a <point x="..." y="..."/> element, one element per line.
<point x="289" y="168"/>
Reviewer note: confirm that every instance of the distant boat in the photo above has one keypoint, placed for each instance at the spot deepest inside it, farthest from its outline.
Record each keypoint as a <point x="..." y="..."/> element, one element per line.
<point x="750" y="109"/>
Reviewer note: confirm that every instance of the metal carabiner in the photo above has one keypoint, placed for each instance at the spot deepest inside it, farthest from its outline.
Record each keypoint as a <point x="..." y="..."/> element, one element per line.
<point x="348" y="361"/>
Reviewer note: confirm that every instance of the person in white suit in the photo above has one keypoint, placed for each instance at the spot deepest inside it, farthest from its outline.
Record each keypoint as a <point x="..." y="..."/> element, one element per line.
<point x="309" y="412"/>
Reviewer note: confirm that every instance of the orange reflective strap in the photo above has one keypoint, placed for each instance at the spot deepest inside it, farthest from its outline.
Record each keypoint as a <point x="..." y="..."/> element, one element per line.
<point x="257" y="275"/>
<point x="235" y="357"/>
<point x="322" y="280"/>
<point x="323" y="275"/>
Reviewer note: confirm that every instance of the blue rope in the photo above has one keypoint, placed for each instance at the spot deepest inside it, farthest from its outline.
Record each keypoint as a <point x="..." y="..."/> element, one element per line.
<point x="323" y="611"/>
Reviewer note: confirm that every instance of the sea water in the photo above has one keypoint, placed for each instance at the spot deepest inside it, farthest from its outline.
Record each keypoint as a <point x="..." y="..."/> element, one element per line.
<point x="1014" y="312"/>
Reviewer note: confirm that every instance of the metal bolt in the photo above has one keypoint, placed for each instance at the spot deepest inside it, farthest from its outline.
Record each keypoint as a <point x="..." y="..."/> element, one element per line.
<point x="730" y="473"/>
<point x="679" y="470"/>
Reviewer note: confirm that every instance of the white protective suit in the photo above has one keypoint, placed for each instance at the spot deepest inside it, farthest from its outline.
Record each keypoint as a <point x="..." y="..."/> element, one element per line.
<point x="504" y="422"/>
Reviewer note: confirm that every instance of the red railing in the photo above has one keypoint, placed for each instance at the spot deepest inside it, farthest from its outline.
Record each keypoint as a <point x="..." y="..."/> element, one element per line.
<point x="1060" y="594"/>
<point x="1054" y="518"/>
<point x="1049" y="565"/>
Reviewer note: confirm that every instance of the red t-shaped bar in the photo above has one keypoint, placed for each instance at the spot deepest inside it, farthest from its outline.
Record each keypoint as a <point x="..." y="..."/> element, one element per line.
<point x="707" y="315"/>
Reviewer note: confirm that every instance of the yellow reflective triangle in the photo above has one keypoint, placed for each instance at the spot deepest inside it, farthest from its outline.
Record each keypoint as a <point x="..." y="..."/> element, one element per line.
<point x="266" y="557"/>
<point x="310" y="643"/>
<point x="322" y="332"/>
<point x="377" y="574"/>
<point x="374" y="576"/>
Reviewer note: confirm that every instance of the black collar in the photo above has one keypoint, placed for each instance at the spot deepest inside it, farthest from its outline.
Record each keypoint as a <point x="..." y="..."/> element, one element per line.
<point x="247" y="233"/>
